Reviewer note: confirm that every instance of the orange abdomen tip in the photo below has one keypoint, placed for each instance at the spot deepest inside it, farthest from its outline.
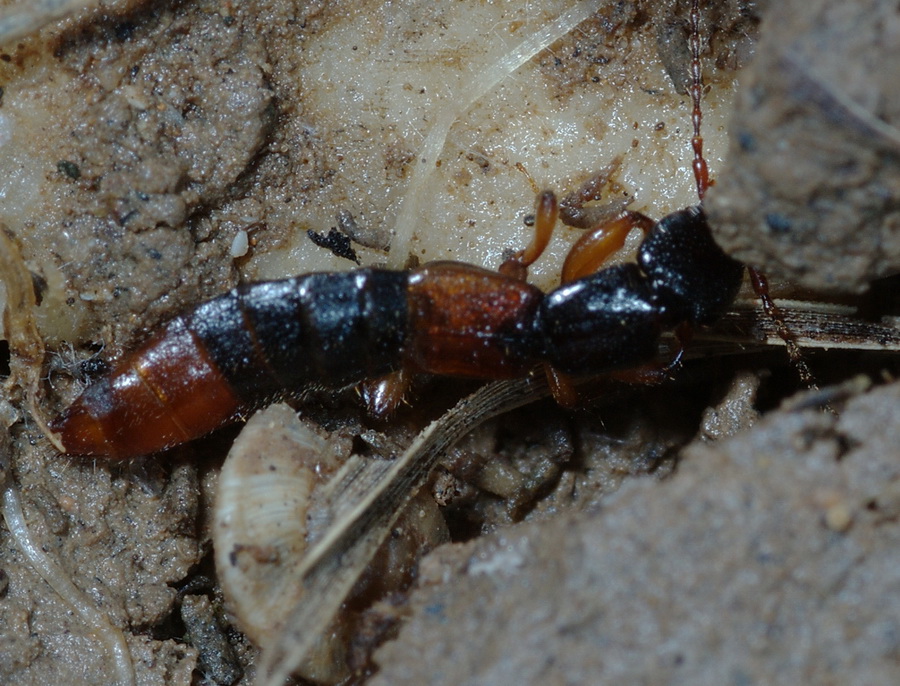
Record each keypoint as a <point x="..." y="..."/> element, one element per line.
<point x="167" y="393"/>
<point x="79" y="431"/>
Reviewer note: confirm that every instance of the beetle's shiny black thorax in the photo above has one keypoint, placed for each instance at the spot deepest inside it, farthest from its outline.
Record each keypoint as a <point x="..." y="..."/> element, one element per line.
<point x="613" y="319"/>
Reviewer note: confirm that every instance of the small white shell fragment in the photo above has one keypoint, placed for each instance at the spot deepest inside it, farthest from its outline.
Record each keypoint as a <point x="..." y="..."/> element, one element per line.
<point x="240" y="245"/>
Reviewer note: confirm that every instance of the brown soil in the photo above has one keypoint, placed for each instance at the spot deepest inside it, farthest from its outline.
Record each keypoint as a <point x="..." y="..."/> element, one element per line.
<point x="145" y="140"/>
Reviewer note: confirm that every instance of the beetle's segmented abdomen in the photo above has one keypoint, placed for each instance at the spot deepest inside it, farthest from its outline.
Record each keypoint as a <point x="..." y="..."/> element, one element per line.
<point x="238" y="350"/>
<point x="326" y="329"/>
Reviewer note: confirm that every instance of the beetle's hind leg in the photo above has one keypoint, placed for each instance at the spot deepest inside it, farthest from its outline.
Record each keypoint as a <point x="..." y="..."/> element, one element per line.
<point x="661" y="371"/>
<point x="384" y="394"/>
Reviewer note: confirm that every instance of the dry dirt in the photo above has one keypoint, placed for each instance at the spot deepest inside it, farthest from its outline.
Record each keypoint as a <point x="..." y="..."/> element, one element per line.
<point x="768" y="558"/>
<point x="812" y="181"/>
<point x="155" y="154"/>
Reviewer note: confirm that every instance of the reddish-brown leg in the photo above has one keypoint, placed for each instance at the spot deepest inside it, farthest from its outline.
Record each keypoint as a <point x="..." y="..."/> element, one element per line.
<point x="592" y="250"/>
<point x="546" y="211"/>
<point x="659" y="372"/>
<point x="574" y="209"/>
<point x="562" y="386"/>
<point x="650" y="374"/>
<point x="383" y="395"/>
<point x="609" y="225"/>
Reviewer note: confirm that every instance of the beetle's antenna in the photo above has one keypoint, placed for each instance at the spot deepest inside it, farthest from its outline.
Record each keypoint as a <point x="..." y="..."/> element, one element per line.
<point x="795" y="353"/>
<point x="701" y="170"/>
<point x="701" y="176"/>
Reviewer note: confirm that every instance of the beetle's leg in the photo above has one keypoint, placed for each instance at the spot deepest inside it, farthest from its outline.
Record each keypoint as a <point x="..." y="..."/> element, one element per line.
<point x="659" y="372"/>
<point x="573" y="211"/>
<point x="384" y="394"/>
<point x="562" y="386"/>
<point x="566" y="394"/>
<point x="592" y="250"/>
<point x="545" y="213"/>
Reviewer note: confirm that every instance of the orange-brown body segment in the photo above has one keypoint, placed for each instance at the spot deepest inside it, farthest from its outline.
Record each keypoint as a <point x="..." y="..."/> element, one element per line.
<point x="166" y="393"/>
<point x="468" y="321"/>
